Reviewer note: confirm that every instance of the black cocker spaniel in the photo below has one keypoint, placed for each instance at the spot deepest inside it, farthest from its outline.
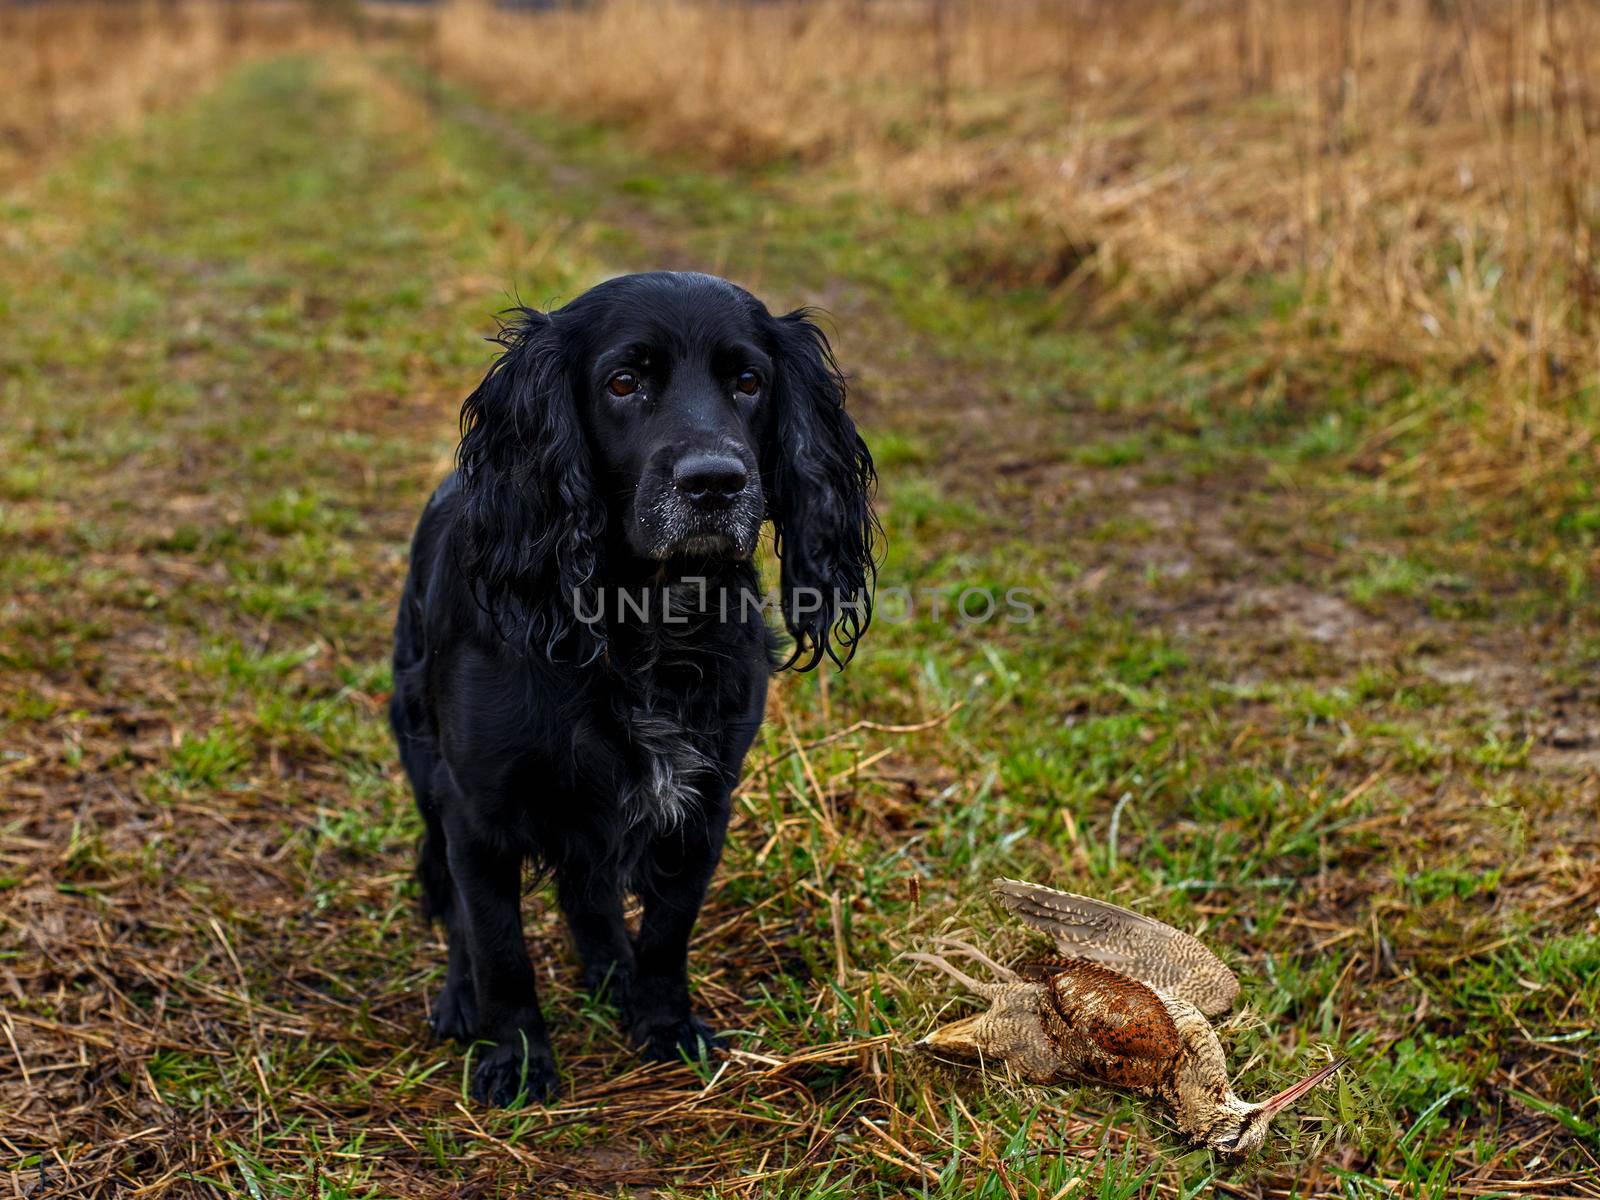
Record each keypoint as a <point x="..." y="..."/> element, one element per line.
<point x="582" y="649"/>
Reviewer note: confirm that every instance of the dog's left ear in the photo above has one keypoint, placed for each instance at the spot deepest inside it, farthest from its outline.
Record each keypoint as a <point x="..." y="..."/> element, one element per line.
<point x="820" y="481"/>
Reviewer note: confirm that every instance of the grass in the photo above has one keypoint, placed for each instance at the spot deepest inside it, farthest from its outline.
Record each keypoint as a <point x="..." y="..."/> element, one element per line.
<point x="1279" y="683"/>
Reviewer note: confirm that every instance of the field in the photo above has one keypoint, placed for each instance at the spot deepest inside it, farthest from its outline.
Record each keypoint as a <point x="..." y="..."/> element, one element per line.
<point x="1314" y="665"/>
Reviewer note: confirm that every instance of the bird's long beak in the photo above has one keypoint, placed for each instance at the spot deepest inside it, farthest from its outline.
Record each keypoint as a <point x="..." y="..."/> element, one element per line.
<point x="1289" y="1095"/>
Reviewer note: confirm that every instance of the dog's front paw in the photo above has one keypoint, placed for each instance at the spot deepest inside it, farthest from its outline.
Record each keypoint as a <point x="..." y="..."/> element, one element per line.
<point x="514" y="1072"/>
<point x="455" y="1015"/>
<point x="671" y="1040"/>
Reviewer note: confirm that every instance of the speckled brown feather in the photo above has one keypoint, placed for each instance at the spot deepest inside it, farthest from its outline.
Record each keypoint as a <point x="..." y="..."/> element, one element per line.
<point x="1127" y="941"/>
<point x="1133" y="1042"/>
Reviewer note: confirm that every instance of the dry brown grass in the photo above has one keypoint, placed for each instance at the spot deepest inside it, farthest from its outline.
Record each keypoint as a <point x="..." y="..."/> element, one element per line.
<point x="1427" y="166"/>
<point x="76" y="67"/>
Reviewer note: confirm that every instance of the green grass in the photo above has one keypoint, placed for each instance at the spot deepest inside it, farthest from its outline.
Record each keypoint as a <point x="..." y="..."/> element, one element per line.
<point x="1265" y="690"/>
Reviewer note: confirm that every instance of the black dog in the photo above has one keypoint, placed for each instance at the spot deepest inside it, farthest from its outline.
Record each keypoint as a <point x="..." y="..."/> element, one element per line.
<point x="581" y="657"/>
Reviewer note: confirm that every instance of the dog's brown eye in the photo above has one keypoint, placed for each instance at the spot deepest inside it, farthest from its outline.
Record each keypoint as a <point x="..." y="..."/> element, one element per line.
<point x="623" y="383"/>
<point x="748" y="383"/>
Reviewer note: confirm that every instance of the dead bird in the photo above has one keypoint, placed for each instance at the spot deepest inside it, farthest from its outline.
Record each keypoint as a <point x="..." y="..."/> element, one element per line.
<point x="1126" y="1005"/>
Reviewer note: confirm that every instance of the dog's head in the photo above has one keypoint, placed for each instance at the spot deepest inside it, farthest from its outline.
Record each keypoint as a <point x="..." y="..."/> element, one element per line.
<point x="660" y="418"/>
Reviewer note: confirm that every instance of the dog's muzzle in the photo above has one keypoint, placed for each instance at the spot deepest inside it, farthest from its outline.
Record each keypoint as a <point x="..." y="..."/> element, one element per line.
<point x="708" y="505"/>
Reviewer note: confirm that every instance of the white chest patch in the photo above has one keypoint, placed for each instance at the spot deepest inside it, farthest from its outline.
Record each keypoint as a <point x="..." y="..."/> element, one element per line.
<point x="669" y="769"/>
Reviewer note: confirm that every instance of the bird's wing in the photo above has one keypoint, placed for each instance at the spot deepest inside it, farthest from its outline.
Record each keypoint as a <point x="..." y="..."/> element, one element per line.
<point x="1137" y="945"/>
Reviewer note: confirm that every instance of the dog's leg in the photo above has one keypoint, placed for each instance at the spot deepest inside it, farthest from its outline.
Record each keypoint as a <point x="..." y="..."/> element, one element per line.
<point x="488" y="878"/>
<point x="592" y="904"/>
<point x="455" y="1014"/>
<point x="672" y="885"/>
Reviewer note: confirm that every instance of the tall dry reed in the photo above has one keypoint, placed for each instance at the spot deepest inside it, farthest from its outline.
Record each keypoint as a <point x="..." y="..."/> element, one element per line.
<point x="1426" y="168"/>
<point x="73" y="66"/>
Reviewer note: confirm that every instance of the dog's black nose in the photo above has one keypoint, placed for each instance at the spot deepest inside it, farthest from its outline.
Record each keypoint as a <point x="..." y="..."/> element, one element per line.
<point x="709" y="480"/>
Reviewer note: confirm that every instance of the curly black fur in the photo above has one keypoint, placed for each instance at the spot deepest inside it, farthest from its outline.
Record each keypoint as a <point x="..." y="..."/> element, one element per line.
<point x="629" y="443"/>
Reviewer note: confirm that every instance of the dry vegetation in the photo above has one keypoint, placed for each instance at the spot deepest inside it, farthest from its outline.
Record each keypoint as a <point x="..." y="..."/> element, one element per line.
<point x="1427" y="167"/>
<point x="76" y="67"/>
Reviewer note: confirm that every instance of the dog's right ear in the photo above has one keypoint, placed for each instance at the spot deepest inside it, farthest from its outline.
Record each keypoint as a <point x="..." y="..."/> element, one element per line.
<point x="531" y="524"/>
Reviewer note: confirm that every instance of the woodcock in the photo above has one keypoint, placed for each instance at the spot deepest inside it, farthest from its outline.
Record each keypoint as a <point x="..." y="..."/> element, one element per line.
<point x="1126" y="1005"/>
